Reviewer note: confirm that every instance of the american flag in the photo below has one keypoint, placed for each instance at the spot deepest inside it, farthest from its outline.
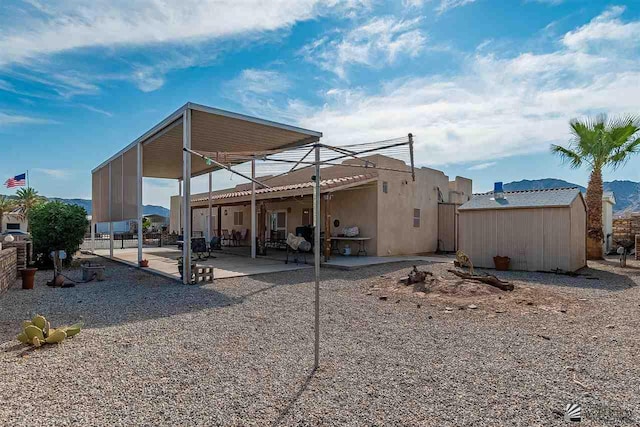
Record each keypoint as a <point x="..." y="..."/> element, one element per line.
<point x="16" y="181"/>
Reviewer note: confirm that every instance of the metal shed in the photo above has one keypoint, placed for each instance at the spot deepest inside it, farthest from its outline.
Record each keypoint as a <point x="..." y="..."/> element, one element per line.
<point x="540" y="230"/>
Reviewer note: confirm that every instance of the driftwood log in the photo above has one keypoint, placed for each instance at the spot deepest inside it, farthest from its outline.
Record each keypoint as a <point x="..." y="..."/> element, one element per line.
<point x="487" y="279"/>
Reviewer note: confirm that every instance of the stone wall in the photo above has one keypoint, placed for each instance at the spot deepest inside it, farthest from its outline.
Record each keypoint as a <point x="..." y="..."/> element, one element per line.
<point x="625" y="229"/>
<point x="8" y="270"/>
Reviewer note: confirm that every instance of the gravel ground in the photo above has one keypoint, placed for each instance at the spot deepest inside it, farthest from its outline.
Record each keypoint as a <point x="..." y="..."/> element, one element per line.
<point x="239" y="352"/>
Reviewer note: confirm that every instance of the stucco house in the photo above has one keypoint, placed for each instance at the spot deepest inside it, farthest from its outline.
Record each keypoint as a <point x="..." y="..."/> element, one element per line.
<point x="608" y="202"/>
<point x="395" y="214"/>
<point x="13" y="221"/>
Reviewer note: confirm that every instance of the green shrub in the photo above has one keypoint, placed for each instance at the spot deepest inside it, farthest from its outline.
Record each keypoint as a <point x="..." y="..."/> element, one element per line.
<point x="55" y="226"/>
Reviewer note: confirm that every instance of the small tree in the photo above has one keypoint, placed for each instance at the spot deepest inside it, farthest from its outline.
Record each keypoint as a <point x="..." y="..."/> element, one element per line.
<point x="27" y="199"/>
<point x="599" y="143"/>
<point x="56" y="226"/>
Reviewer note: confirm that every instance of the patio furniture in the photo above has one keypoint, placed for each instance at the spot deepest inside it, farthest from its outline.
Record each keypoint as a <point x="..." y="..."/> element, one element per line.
<point x="199" y="247"/>
<point x="360" y="240"/>
<point x="214" y="244"/>
<point x="242" y="234"/>
<point x="225" y="237"/>
<point x="297" y="245"/>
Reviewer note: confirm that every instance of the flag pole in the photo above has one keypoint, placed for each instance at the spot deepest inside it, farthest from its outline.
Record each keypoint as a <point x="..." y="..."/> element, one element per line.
<point x="28" y="186"/>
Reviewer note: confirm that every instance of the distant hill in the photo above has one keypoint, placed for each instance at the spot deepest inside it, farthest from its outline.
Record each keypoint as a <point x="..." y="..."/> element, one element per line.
<point x="86" y="204"/>
<point x="627" y="192"/>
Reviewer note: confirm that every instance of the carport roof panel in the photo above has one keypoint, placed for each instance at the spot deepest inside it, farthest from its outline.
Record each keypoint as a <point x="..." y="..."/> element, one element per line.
<point x="556" y="197"/>
<point x="212" y="130"/>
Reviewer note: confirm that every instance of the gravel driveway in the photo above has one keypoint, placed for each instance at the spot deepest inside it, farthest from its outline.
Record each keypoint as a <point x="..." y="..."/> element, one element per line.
<point x="239" y="352"/>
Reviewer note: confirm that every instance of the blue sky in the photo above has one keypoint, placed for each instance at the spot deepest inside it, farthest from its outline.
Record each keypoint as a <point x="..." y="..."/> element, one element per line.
<point x="486" y="86"/>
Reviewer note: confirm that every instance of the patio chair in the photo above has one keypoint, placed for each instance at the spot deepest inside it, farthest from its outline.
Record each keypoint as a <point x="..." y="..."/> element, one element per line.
<point x="199" y="247"/>
<point x="242" y="235"/>
<point x="225" y="237"/>
<point x="214" y="244"/>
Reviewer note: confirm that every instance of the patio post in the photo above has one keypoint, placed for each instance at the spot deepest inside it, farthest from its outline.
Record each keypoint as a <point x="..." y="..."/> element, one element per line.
<point x="316" y="253"/>
<point x="110" y="221"/>
<point x="253" y="209"/>
<point x="139" y="199"/>
<point x="186" y="197"/>
<point x="210" y="222"/>
<point x="93" y="236"/>
<point x="110" y="239"/>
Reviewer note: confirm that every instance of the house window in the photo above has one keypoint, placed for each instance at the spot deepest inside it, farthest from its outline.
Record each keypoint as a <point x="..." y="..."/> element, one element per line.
<point x="416" y="217"/>
<point x="13" y="226"/>
<point x="237" y="218"/>
<point x="307" y="216"/>
<point x="385" y="187"/>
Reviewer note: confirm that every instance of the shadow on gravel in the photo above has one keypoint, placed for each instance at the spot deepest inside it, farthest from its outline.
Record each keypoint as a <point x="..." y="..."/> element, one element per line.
<point x="126" y="295"/>
<point x="285" y="411"/>
<point x="588" y="278"/>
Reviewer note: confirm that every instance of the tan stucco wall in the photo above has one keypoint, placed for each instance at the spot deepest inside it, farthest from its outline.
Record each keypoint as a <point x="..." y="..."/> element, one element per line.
<point x="607" y="223"/>
<point x="385" y="217"/>
<point x="396" y="233"/>
<point x="12" y="218"/>
<point x="357" y="207"/>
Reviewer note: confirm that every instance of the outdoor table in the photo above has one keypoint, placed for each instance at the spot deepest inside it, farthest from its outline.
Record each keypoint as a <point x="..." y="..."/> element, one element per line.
<point x="361" y="242"/>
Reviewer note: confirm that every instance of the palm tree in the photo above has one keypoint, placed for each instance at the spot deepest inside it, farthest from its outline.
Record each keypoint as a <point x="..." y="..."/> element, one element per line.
<point x="6" y="205"/>
<point x="598" y="143"/>
<point x="27" y="198"/>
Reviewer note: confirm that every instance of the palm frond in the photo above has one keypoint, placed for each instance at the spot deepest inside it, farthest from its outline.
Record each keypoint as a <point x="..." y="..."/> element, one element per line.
<point x="574" y="158"/>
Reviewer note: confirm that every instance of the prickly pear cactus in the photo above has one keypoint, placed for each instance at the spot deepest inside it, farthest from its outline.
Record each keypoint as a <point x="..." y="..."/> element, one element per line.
<point x="38" y="331"/>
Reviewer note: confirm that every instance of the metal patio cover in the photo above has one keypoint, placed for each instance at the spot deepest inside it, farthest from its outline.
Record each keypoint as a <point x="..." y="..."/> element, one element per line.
<point x="114" y="182"/>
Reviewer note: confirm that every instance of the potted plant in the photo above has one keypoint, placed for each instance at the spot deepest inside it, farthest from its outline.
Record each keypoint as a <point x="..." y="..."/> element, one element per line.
<point x="501" y="262"/>
<point x="28" y="275"/>
<point x="144" y="263"/>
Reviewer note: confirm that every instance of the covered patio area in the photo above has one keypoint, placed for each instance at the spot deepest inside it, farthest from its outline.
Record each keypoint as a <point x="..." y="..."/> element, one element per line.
<point x="174" y="149"/>
<point x="226" y="264"/>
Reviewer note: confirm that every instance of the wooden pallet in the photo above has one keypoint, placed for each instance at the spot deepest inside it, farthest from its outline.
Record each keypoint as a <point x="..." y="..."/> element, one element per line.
<point x="203" y="275"/>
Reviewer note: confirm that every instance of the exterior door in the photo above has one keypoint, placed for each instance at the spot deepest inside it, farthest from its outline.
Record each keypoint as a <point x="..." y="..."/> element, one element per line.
<point x="278" y="225"/>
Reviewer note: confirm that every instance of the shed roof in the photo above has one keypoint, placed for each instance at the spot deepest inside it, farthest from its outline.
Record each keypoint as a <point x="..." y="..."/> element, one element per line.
<point x="556" y="197"/>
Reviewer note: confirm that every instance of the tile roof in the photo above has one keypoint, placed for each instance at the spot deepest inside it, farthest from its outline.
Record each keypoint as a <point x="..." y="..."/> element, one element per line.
<point x="325" y="184"/>
<point x="555" y="197"/>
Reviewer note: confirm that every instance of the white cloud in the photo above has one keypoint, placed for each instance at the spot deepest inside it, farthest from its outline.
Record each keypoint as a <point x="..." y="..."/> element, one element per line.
<point x="96" y="110"/>
<point x="16" y="119"/>
<point x="54" y="173"/>
<point x="260" y="81"/>
<point x="72" y="24"/>
<point x="446" y="5"/>
<point x="380" y="41"/>
<point x="481" y="166"/>
<point x="496" y="107"/>
<point x="606" y="28"/>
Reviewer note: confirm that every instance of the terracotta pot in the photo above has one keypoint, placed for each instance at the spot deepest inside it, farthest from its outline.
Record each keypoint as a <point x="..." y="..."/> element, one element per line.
<point x="144" y="263"/>
<point x="501" y="262"/>
<point x="28" y="275"/>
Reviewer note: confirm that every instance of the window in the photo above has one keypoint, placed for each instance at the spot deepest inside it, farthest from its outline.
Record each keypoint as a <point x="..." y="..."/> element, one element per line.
<point x="416" y="217"/>
<point x="307" y="216"/>
<point x="385" y="187"/>
<point x="13" y="226"/>
<point x="237" y="218"/>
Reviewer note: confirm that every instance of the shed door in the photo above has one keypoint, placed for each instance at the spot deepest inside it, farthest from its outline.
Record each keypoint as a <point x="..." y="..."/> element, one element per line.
<point x="447" y="227"/>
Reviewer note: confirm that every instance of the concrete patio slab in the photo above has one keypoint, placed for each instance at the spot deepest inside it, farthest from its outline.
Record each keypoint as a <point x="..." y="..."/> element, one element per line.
<point x="163" y="261"/>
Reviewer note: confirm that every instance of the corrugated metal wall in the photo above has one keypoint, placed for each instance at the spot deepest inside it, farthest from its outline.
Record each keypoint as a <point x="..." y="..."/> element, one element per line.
<point x="535" y="239"/>
<point x="114" y="189"/>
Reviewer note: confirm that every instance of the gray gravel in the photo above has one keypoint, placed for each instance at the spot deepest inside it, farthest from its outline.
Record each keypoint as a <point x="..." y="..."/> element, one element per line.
<point x="239" y="352"/>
